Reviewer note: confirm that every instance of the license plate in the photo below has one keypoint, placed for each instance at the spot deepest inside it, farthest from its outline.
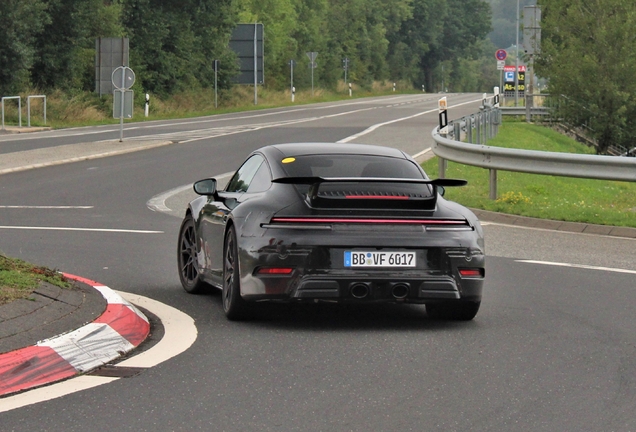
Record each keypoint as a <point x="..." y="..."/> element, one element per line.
<point x="379" y="259"/>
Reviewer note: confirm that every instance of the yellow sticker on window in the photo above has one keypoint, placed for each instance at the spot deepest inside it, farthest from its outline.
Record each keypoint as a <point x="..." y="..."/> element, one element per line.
<point x="288" y="160"/>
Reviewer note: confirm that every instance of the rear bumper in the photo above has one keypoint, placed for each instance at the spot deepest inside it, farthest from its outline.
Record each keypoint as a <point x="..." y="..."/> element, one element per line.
<point x="358" y="288"/>
<point x="320" y="271"/>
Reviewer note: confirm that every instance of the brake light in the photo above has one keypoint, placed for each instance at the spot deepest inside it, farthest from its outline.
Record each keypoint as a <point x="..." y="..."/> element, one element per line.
<point x="471" y="272"/>
<point x="368" y="221"/>
<point x="275" y="270"/>
<point x="382" y="197"/>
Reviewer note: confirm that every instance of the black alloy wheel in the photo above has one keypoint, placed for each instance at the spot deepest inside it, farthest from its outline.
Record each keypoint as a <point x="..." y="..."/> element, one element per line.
<point x="234" y="306"/>
<point x="187" y="257"/>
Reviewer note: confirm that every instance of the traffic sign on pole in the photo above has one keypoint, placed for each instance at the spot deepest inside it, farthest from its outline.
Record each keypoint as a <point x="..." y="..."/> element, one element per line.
<point x="501" y="54"/>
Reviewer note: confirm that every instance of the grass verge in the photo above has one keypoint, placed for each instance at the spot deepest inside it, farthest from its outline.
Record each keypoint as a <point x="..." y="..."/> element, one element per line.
<point x="19" y="279"/>
<point x="548" y="197"/>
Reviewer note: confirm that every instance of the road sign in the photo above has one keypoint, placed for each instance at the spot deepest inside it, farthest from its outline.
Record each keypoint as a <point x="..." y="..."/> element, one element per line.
<point x="127" y="105"/>
<point x="501" y="54"/>
<point x="501" y="64"/>
<point x="123" y="78"/>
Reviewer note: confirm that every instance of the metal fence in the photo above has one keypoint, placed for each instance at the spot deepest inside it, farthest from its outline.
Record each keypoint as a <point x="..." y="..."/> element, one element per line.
<point x="466" y="143"/>
<point x="19" y="99"/>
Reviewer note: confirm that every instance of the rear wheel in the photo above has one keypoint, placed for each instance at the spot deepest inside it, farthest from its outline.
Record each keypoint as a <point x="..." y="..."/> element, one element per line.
<point x="453" y="311"/>
<point x="188" y="258"/>
<point x="234" y="306"/>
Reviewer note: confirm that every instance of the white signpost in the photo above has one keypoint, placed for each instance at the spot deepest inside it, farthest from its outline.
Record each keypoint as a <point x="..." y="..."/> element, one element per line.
<point x="123" y="79"/>
<point x="312" y="64"/>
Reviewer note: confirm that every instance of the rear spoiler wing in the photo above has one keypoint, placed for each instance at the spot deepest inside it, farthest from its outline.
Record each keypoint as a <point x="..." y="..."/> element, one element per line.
<point x="423" y="203"/>
<point x="313" y="180"/>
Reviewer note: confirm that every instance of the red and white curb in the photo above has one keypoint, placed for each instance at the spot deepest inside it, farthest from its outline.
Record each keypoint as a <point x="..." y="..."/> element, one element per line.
<point x="120" y="329"/>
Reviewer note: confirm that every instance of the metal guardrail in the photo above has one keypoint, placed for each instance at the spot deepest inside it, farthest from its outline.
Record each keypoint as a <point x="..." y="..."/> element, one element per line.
<point x="528" y="161"/>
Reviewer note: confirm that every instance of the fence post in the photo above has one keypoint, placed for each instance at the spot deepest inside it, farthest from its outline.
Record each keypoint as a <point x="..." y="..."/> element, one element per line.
<point x="29" y="108"/>
<point x="19" y="109"/>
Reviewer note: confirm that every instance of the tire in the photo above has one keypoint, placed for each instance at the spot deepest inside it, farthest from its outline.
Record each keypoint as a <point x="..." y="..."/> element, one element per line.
<point x="234" y="306"/>
<point x="187" y="257"/>
<point x="453" y="311"/>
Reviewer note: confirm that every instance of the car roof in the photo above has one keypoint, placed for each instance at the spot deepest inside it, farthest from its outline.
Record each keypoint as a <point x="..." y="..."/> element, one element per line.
<point x="313" y="148"/>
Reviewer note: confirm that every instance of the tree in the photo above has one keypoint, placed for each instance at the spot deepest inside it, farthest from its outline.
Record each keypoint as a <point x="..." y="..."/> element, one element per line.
<point x="20" y="22"/>
<point x="65" y="49"/>
<point x="173" y="44"/>
<point x="587" y="54"/>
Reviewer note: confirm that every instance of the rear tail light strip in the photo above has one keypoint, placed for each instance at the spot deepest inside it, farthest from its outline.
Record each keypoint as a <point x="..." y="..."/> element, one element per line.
<point x="293" y="220"/>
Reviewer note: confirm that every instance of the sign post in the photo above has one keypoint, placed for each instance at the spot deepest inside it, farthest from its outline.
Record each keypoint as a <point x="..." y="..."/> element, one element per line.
<point x="312" y="59"/>
<point x="123" y="79"/>
<point x="291" y="65"/>
<point x="501" y="56"/>
<point x="216" y="76"/>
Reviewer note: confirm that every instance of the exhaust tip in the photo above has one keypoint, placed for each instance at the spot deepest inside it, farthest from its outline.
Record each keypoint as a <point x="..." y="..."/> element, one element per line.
<point x="400" y="291"/>
<point x="359" y="290"/>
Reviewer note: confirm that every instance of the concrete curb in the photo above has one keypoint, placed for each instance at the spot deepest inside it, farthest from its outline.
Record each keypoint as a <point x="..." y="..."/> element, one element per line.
<point x="120" y="329"/>
<point x="50" y="156"/>
<point x="554" y="225"/>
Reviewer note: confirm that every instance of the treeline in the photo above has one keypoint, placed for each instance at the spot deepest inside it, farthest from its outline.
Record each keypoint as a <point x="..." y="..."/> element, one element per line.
<point x="51" y="43"/>
<point x="588" y="56"/>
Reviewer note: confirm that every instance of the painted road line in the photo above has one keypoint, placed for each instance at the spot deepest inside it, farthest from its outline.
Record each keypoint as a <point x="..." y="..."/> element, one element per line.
<point x="45" y="207"/>
<point x="158" y="202"/>
<point x="180" y="333"/>
<point x="120" y="329"/>
<point x="378" y="125"/>
<point x="80" y="229"/>
<point x="579" y="266"/>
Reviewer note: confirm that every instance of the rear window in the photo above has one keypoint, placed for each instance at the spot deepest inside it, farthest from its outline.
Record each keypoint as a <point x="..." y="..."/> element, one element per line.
<point x="343" y="165"/>
<point x="357" y="166"/>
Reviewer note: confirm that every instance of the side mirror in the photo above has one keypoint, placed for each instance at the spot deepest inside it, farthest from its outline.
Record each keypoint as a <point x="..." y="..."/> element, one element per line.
<point x="441" y="190"/>
<point x="206" y="187"/>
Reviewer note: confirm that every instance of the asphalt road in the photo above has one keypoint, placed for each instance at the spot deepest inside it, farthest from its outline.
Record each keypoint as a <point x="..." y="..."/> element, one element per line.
<point x="553" y="347"/>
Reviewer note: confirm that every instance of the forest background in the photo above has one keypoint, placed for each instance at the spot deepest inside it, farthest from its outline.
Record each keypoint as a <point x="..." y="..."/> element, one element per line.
<point x="587" y="56"/>
<point x="441" y="44"/>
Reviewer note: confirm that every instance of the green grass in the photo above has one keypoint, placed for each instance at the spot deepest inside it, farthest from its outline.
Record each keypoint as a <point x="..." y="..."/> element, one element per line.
<point x="88" y="109"/>
<point x="19" y="279"/>
<point x="548" y="197"/>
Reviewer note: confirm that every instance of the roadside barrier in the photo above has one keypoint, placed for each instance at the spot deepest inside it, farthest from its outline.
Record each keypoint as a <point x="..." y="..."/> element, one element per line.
<point x="478" y="128"/>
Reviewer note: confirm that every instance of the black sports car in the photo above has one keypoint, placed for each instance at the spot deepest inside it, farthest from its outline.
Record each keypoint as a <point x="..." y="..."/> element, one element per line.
<point x="332" y="222"/>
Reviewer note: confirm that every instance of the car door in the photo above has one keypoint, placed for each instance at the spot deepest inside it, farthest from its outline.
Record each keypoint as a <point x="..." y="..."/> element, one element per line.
<point x="216" y="213"/>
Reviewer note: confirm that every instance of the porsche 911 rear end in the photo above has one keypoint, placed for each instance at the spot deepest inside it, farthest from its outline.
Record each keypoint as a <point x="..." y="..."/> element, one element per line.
<point x="369" y="240"/>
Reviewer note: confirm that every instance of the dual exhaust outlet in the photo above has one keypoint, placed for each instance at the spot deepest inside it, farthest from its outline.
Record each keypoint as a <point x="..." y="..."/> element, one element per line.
<point x="362" y="290"/>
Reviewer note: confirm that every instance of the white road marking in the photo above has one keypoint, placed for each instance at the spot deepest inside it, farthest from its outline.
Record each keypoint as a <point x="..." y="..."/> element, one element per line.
<point x="607" y="269"/>
<point x="180" y="334"/>
<point x="45" y="207"/>
<point x="422" y="153"/>
<point x="81" y="229"/>
<point x="158" y="202"/>
<point x="378" y="125"/>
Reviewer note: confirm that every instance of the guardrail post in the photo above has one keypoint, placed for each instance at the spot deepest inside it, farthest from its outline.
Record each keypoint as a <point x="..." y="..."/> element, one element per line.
<point x="469" y="129"/>
<point x="457" y="130"/>
<point x="478" y="128"/>
<point x="493" y="184"/>
<point x="441" y="167"/>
